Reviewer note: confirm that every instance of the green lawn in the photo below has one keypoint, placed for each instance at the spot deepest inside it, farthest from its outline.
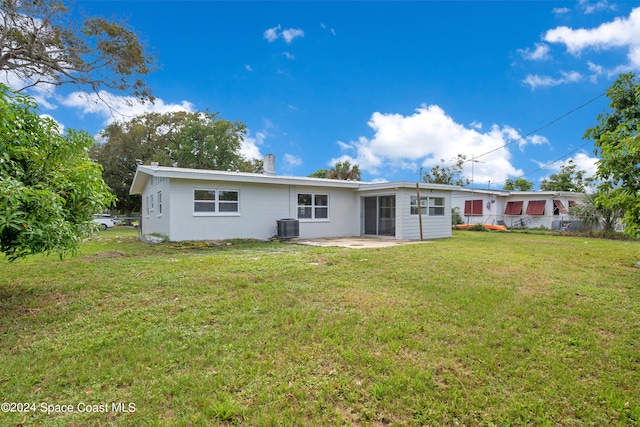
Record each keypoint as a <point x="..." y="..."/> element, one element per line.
<point x="480" y="329"/>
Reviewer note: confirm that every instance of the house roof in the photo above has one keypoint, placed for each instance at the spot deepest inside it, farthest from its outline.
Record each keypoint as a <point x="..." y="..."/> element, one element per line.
<point x="144" y="172"/>
<point x="517" y="194"/>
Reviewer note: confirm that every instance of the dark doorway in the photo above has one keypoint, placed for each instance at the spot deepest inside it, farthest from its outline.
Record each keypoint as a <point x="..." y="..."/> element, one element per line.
<point x="380" y="215"/>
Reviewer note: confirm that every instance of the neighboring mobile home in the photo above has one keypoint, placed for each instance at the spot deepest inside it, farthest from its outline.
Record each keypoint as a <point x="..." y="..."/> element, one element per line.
<point x="193" y="204"/>
<point x="517" y="209"/>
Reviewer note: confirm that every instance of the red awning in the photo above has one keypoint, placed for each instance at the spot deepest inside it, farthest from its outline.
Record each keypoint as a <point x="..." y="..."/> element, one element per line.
<point x="472" y="207"/>
<point x="558" y="204"/>
<point x="513" y="208"/>
<point x="536" y="207"/>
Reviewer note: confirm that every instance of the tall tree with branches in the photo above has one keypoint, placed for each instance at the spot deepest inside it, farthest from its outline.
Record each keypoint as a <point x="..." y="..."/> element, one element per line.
<point x="617" y="142"/>
<point x="42" y="43"/>
<point x="450" y="174"/>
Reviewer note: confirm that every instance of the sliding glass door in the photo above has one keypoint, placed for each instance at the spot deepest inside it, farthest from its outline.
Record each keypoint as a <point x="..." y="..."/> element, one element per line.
<point x="380" y="215"/>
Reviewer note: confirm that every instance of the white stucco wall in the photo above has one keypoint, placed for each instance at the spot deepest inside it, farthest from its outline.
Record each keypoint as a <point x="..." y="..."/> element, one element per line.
<point x="154" y="221"/>
<point x="344" y="213"/>
<point x="260" y="206"/>
<point x="493" y="212"/>
<point x="545" y="220"/>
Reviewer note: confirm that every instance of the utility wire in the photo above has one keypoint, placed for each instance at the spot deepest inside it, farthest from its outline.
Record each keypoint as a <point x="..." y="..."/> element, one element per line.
<point x="541" y="128"/>
<point x="547" y="164"/>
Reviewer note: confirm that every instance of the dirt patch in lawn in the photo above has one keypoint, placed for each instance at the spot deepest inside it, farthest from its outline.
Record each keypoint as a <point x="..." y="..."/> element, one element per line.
<point x="356" y="242"/>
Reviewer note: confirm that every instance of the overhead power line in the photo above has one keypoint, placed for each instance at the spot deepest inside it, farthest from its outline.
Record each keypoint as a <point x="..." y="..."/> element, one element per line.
<point x="522" y="138"/>
<point x="546" y="165"/>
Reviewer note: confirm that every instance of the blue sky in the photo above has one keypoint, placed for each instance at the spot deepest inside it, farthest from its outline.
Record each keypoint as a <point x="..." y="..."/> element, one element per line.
<point x="392" y="86"/>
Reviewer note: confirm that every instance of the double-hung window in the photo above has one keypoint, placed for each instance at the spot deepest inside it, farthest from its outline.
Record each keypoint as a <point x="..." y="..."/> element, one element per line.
<point x="159" y="203"/>
<point x="436" y="206"/>
<point x="431" y="206"/>
<point x="215" y="202"/>
<point x="313" y="206"/>
<point x="424" y="203"/>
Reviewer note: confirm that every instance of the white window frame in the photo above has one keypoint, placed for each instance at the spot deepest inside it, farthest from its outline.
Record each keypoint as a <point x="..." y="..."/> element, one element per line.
<point x="146" y="200"/>
<point x="433" y="207"/>
<point x="427" y="205"/>
<point x="217" y="203"/>
<point x="151" y="203"/>
<point x="413" y="205"/>
<point x="159" y="203"/>
<point x="314" y="207"/>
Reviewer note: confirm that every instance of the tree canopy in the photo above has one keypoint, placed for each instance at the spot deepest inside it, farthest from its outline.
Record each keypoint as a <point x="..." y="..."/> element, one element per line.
<point x="519" y="184"/>
<point x="189" y="140"/>
<point x="568" y="179"/>
<point x="49" y="187"/>
<point x="42" y="43"/>
<point x="320" y="173"/>
<point x="344" y="170"/>
<point x="617" y="143"/>
<point x="448" y="174"/>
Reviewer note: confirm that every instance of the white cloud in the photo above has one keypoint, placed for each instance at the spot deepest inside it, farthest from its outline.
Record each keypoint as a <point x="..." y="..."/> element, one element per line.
<point x="288" y="35"/>
<point x="561" y="10"/>
<point x="248" y="67"/>
<point x="621" y="32"/>
<point x="292" y="33"/>
<point x="586" y="163"/>
<point x="271" y="34"/>
<point x="112" y="107"/>
<point x="476" y="125"/>
<point x="533" y="139"/>
<point x="425" y="137"/>
<point x="590" y="7"/>
<point x="535" y="81"/>
<point x="582" y="161"/>
<point x="288" y="55"/>
<point x="333" y="31"/>
<point x="292" y="160"/>
<point x="250" y="145"/>
<point x="540" y="53"/>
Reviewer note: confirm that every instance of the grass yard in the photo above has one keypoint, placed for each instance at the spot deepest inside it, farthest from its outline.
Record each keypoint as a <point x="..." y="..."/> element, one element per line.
<point x="480" y="329"/>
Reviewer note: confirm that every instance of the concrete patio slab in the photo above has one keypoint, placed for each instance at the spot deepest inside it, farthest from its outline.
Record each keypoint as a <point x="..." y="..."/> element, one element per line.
<point x="359" y="242"/>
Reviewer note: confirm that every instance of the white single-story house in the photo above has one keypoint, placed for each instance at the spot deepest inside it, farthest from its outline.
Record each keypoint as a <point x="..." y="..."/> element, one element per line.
<point x="516" y="209"/>
<point x="191" y="204"/>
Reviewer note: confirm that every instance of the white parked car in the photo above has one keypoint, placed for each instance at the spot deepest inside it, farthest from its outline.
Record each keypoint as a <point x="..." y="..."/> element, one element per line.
<point x="105" y="221"/>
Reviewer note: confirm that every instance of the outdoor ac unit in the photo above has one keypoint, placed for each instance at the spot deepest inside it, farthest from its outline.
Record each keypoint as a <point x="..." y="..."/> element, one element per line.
<point x="288" y="228"/>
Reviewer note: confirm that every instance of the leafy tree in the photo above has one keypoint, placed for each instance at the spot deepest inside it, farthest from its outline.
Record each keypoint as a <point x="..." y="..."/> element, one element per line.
<point x="568" y="179"/>
<point x="41" y="43"/>
<point x="519" y="184"/>
<point x="450" y="175"/>
<point x="592" y="212"/>
<point x="142" y="140"/>
<point x="49" y="187"/>
<point x="206" y="142"/>
<point x="190" y="140"/>
<point x="617" y="143"/>
<point x="345" y="171"/>
<point x="320" y="173"/>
